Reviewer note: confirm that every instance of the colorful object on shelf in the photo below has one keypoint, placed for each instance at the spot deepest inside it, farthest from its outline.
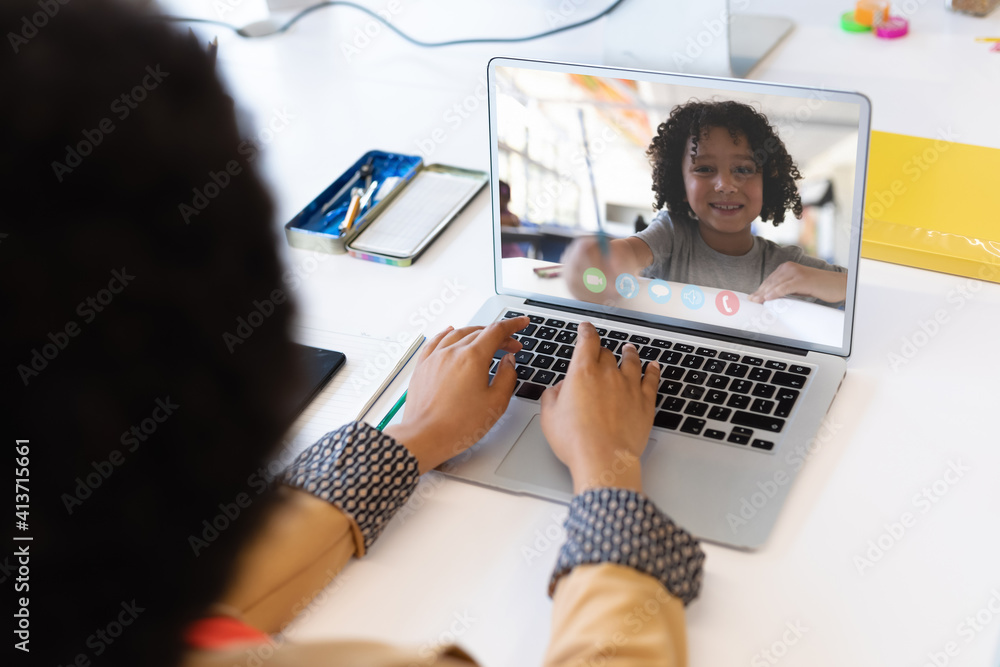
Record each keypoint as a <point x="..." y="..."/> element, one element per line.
<point x="892" y="28"/>
<point x="848" y="23"/>
<point x="871" y="13"/>
<point x="925" y="207"/>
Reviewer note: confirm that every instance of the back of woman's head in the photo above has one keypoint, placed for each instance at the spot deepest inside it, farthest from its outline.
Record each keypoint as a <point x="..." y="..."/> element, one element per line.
<point x="133" y="236"/>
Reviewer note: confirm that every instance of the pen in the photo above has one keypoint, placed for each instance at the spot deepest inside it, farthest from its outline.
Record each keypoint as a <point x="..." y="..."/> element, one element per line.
<point x="392" y="412"/>
<point x="988" y="39"/>
<point x="602" y="237"/>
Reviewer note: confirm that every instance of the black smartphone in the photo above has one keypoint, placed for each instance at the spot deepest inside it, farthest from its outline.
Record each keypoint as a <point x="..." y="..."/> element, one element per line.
<point x="319" y="366"/>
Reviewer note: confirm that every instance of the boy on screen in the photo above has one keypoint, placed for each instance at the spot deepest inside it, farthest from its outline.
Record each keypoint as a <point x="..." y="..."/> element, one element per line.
<point x="717" y="166"/>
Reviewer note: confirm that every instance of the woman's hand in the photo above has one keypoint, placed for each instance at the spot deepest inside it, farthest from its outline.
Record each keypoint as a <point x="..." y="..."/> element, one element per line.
<point x="450" y="402"/>
<point x="793" y="278"/>
<point x="598" y="419"/>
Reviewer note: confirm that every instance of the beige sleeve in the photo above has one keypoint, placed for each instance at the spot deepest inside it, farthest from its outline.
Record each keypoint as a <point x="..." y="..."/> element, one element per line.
<point x="302" y="546"/>
<point x="612" y="615"/>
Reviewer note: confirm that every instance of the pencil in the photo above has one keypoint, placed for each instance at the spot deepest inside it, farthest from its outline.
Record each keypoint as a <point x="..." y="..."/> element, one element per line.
<point x="392" y="412"/>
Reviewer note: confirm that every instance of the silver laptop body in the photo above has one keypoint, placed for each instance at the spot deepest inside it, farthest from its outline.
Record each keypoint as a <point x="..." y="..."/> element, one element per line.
<point x="723" y="489"/>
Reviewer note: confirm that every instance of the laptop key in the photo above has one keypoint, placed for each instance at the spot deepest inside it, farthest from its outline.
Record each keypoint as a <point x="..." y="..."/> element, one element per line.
<point x="788" y="380"/>
<point x="559" y="378"/>
<point x="572" y="326"/>
<point x="759" y="375"/>
<point x="529" y="330"/>
<point x="693" y="425"/>
<point x="618" y="335"/>
<point x="670" y="388"/>
<point x="547" y="347"/>
<point x="715" y="435"/>
<point x="753" y="361"/>
<point x="671" y="372"/>
<point x="536" y="319"/>
<point x="706" y="351"/>
<point x="510" y="313"/>
<point x="776" y="365"/>
<point x="785" y="394"/>
<point x="546" y="333"/>
<point x="542" y="361"/>
<point x="609" y="344"/>
<point x="784" y="409"/>
<point x="660" y="343"/>
<point x="801" y="370"/>
<point x="737" y="370"/>
<point x="649" y="353"/>
<point x="493" y="366"/>
<point x="762" y="444"/>
<point x="762" y="406"/>
<point x="741" y="386"/>
<point x="561" y="366"/>
<point x="738" y="401"/>
<point x="692" y="361"/>
<point x="528" y="343"/>
<point x="696" y="377"/>
<point x="523" y="357"/>
<point x="693" y="391"/>
<point x="729" y="356"/>
<point x="530" y="391"/>
<point x="719" y="414"/>
<point x="558" y="324"/>
<point x="544" y="377"/>
<point x="601" y="332"/>
<point x="684" y="347"/>
<point x="638" y="340"/>
<point x="740" y="436"/>
<point x="670" y="357"/>
<point x="696" y="408"/>
<point x="716" y="396"/>
<point x="565" y="351"/>
<point x="717" y="381"/>
<point x="715" y="366"/>
<point x="763" y="390"/>
<point x="525" y="372"/>
<point x="669" y="420"/>
<point x="565" y="337"/>
<point x="674" y="404"/>
<point x="762" y="422"/>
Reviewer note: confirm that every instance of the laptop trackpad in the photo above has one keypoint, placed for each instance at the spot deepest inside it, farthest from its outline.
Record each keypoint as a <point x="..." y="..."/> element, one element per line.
<point x="531" y="461"/>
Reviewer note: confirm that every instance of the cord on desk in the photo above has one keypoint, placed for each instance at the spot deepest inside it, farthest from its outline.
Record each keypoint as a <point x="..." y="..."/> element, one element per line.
<point x="332" y="3"/>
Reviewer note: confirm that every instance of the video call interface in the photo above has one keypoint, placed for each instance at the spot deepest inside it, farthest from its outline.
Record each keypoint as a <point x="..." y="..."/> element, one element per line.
<point x="603" y="201"/>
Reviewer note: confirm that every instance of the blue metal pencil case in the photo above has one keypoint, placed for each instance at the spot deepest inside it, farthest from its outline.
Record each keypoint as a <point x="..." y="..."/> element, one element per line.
<point x="344" y="209"/>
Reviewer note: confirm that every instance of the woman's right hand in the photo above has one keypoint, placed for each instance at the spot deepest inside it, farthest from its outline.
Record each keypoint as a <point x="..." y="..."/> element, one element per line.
<point x="597" y="420"/>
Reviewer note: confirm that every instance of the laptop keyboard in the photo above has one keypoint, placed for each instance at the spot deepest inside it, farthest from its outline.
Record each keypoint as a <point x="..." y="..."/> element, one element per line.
<point x="706" y="391"/>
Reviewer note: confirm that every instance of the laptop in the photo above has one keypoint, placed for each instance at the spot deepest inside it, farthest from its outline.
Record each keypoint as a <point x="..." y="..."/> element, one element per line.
<point x="745" y="387"/>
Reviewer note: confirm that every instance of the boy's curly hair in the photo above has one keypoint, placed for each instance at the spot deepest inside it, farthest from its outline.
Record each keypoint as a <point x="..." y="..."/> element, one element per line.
<point x="693" y="119"/>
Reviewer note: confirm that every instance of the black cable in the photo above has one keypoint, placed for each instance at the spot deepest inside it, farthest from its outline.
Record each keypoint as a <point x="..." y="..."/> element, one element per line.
<point x="380" y="19"/>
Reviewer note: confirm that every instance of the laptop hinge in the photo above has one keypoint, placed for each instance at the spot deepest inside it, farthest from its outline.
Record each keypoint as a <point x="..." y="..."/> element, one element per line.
<point x="774" y="347"/>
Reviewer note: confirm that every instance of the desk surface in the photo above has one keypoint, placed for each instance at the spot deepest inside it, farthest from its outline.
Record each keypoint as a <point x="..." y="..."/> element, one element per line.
<point x="916" y="414"/>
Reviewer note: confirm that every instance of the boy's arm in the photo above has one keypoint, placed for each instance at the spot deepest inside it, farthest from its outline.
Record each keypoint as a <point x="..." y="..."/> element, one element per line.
<point x="629" y="255"/>
<point x="795" y="278"/>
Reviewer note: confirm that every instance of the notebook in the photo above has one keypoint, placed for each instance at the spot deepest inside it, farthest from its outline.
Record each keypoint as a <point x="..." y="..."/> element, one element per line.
<point x="745" y="387"/>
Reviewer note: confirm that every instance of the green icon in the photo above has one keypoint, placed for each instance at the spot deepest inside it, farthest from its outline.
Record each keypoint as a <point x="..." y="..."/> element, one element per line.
<point x="594" y="280"/>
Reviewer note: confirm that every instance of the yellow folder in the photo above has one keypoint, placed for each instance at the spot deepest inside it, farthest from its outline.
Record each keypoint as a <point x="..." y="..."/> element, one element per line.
<point x="932" y="204"/>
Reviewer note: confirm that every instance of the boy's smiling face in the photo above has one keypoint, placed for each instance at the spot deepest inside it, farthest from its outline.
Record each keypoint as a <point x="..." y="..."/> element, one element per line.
<point x="724" y="188"/>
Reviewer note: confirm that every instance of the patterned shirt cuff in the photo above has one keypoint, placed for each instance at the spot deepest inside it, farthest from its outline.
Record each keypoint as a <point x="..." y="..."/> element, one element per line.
<point x="365" y="473"/>
<point x="625" y="527"/>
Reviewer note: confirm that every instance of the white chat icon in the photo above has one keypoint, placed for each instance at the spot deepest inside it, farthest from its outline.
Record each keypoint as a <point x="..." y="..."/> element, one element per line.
<point x="659" y="290"/>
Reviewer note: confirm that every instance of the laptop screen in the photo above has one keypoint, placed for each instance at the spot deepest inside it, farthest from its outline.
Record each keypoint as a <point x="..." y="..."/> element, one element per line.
<point x="729" y="207"/>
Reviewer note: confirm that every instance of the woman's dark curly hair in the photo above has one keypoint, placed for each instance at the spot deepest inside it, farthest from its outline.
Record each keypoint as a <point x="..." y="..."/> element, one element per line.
<point x="694" y="119"/>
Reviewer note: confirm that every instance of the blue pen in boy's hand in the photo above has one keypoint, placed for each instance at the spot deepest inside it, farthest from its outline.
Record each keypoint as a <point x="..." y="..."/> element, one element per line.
<point x="602" y="237"/>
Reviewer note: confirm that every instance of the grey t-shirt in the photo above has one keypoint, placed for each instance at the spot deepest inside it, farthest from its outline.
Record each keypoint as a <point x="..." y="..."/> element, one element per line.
<point x="681" y="255"/>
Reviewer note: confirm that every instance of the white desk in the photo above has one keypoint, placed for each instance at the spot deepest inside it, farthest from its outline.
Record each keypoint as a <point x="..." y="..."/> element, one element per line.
<point x="454" y="569"/>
